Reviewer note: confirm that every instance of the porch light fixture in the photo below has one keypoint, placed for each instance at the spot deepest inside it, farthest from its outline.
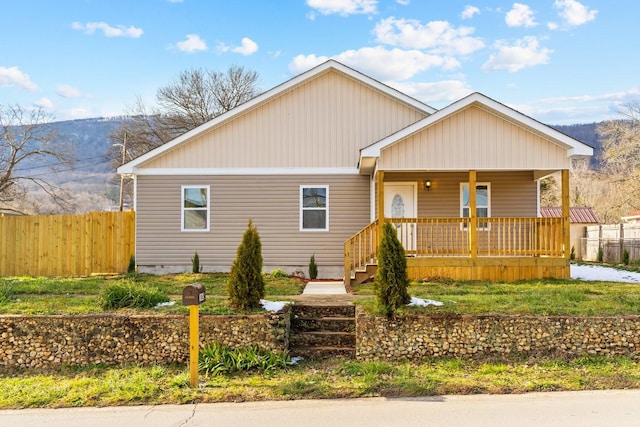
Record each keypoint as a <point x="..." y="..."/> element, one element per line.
<point x="427" y="184"/>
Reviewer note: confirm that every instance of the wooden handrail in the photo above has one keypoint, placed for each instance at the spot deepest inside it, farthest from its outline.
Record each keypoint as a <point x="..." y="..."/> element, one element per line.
<point x="361" y="249"/>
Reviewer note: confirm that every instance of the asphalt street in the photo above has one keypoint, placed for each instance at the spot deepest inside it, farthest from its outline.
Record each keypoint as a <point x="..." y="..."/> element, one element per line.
<point x="620" y="408"/>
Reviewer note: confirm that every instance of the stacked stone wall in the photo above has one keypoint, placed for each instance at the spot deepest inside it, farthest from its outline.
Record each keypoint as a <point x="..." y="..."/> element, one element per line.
<point x="46" y="341"/>
<point x="417" y="337"/>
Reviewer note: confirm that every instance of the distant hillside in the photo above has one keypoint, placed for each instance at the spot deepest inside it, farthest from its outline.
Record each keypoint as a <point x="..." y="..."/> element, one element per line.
<point x="584" y="133"/>
<point x="90" y="139"/>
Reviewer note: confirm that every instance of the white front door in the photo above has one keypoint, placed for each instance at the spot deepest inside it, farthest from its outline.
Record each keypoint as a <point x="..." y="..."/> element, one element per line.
<point x="400" y="201"/>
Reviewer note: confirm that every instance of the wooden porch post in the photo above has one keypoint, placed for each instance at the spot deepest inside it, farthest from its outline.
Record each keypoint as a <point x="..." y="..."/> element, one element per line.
<point x="473" y="225"/>
<point x="380" y="202"/>
<point x="566" y="225"/>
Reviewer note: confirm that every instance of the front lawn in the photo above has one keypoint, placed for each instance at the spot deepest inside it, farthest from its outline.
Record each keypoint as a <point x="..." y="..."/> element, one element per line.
<point x="547" y="298"/>
<point x="37" y="295"/>
<point x="41" y="295"/>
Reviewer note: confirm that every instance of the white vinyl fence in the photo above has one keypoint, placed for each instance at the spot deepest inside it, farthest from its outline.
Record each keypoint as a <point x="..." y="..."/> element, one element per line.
<point x="614" y="239"/>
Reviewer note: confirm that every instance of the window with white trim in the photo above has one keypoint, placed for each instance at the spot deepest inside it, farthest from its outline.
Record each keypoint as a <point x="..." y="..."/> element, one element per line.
<point x="314" y="208"/>
<point x="195" y="208"/>
<point x="483" y="201"/>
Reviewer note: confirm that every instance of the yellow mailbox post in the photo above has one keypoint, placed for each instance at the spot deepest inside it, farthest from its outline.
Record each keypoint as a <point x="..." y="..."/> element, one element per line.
<point x="193" y="295"/>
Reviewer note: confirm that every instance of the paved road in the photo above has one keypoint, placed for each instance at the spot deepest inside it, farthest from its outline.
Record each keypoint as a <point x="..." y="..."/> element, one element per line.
<point x="584" y="409"/>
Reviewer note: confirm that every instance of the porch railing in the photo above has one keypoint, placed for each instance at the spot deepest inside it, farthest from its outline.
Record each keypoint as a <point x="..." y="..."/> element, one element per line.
<point x="361" y="249"/>
<point x="451" y="237"/>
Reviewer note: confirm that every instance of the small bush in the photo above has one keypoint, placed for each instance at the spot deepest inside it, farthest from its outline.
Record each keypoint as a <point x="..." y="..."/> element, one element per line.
<point x="391" y="280"/>
<point x="195" y="263"/>
<point x="245" y="286"/>
<point x="600" y="254"/>
<point x="313" y="267"/>
<point x="6" y="294"/>
<point x="216" y="359"/>
<point x="132" y="264"/>
<point x="572" y="255"/>
<point x="625" y="257"/>
<point x="124" y="295"/>
<point x="278" y="274"/>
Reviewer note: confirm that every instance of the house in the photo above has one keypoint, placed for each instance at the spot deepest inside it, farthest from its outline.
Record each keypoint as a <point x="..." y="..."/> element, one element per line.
<point x="318" y="162"/>
<point x="580" y="218"/>
<point x="632" y="218"/>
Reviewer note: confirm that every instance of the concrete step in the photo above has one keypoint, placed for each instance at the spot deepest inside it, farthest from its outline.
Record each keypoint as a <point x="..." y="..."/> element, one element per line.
<point x="315" y="311"/>
<point x="322" y="339"/>
<point x="323" y="324"/>
<point x="321" y="331"/>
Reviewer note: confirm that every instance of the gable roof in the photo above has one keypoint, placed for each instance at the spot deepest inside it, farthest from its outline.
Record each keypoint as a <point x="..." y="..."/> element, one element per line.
<point x="574" y="147"/>
<point x="576" y="215"/>
<point x="130" y="167"/>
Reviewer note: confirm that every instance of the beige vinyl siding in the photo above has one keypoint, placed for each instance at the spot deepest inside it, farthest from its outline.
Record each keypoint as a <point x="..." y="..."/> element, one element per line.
<point x="272" y="202"/>
<point x="513" y="193"/>
<point x="474" y="138"/>
<point x="323" y="122"/>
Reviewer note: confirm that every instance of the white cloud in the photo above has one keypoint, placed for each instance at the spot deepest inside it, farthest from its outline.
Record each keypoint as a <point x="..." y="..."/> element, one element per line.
<point x="579" y="109"/>
<point x="246" y="48"/>
<point x="12" y="76"/>
<point x="44" y="103"/>
<point x="442" y="92"/>
<point x="524" y="53"/>
<point x="108" y="30"/>
<point x="67" y="91"/>
<point x="520" y="16"/>
<point x="553" y="26"/>
<point x="380" y="63"/>
<point x="469" y="12"/>
<point x="79" y="113"/>
<point x="344" y="7"/>
<point x="403" y="2"/>
<point x="574" y="13"/>
<point x="437" y="36"/>
<point x="192" y="43"/>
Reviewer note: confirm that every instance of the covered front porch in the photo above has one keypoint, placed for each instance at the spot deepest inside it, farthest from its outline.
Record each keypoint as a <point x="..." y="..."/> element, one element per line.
<point x="475" y="244"/>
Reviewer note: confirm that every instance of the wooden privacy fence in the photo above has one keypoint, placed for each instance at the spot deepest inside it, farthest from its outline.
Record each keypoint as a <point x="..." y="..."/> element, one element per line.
<point x="66" y="245"/>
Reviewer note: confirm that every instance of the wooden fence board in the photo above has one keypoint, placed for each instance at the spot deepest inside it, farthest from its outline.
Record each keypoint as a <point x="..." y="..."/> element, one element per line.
<point x="66" y="245"/>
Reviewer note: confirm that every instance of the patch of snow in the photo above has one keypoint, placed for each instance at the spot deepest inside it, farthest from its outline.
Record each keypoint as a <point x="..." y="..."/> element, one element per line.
<point x="295" y="359"/>
<point x="419" y="302"/>
<point x="165" y="304"/>
<point x="605" y="274"/>
<point x="273" y="305"/>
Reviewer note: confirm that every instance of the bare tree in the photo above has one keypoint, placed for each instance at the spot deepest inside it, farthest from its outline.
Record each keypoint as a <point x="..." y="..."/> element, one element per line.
<point x="192" y="99"/>
<point x="29" y="156"/>
<point x="620" y="159"/>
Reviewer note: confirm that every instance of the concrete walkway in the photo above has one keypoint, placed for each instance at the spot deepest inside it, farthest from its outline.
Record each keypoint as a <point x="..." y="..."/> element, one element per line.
<point x="324" y="288"/>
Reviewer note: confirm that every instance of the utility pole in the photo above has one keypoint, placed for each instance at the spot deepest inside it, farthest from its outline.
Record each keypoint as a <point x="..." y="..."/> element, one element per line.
<point x="124" y="154"/>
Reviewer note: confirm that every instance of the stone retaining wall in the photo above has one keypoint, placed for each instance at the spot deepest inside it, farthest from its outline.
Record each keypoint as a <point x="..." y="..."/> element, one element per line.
<point x="416" y="337"/>
<point x="50" y="341"/>
<point x="47" y="341"/>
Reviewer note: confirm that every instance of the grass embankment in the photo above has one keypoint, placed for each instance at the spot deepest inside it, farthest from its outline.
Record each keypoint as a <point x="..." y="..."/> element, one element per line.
<point x="102" y="386"/>
<point x="98" y="385"/>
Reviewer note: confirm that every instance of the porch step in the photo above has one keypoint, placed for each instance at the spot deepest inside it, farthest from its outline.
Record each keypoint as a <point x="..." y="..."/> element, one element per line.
<point x="362" y="276"/>
<point x="323" y="331"/>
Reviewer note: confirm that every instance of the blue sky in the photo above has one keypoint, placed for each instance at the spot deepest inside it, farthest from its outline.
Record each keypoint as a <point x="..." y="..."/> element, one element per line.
<point x="559" y="61"/>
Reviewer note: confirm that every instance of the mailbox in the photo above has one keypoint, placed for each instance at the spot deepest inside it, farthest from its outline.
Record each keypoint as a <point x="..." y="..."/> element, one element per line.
<point x="193" y="294"/>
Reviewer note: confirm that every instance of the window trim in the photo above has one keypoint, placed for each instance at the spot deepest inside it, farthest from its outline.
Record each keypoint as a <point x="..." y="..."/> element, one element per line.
<point x="302" y="209"/>
<point x="183" y="209"/>
<point x="486" y="226"/>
